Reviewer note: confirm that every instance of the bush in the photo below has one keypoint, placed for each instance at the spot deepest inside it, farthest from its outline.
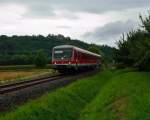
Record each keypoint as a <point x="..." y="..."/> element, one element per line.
<point x="134" y="49"/>
<point x="40" y="59"/>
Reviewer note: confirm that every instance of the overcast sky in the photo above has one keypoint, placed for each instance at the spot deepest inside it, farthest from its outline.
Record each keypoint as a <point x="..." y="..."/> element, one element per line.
<point x="92" y="21"/>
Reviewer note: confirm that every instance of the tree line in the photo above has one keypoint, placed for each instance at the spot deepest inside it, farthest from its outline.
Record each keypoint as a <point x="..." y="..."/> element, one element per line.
<point x="39" y="59"/>
<point x="134" y="47"/>
<point x="21" y="50"/>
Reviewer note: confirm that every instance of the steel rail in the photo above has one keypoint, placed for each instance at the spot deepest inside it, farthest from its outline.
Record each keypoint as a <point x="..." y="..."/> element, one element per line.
<point x="24" y="84"/>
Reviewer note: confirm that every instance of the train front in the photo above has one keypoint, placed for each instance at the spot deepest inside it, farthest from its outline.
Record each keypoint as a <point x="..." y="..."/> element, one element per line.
<point x="62" y="57"/>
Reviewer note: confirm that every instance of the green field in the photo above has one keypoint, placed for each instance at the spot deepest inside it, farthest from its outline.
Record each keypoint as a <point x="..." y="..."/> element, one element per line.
<point x="125" y="97"/>
<point x="109" y="95"/>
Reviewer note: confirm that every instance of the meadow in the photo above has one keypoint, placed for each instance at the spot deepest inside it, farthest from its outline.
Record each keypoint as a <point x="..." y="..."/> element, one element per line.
<point x="10" y="74"/>
<point x="109" y="95"/>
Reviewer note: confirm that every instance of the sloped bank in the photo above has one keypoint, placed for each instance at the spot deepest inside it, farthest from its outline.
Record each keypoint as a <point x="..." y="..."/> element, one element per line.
<point x="124" y="97"/>
<point x="63" y="104"/>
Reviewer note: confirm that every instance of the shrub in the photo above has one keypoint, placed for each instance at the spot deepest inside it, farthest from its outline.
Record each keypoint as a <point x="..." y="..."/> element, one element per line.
<point x="134" y="49"/>
<point x="40" y="59"/>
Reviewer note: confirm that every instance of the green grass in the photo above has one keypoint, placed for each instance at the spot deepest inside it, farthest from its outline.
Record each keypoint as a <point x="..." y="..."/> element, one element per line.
<point x="64" y="104"/>
<point x="109" y="95"/>
<point x="22" y="67"/>
<point x="125" y="97"/>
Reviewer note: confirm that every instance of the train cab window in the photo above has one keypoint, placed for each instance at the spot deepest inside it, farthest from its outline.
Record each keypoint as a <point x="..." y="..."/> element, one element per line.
<point x="62" y="54"/>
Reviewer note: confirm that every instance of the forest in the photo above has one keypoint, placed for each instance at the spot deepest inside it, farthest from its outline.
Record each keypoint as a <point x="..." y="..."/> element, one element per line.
<point x="21" y="50"/>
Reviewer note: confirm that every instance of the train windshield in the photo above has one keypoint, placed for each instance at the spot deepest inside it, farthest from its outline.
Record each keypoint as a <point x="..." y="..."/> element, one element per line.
<point x="62" y="54"/>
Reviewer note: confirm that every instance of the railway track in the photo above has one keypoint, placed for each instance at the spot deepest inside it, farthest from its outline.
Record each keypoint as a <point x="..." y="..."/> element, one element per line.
<point x="24" y="84"/>
<point x="20" y="92"/>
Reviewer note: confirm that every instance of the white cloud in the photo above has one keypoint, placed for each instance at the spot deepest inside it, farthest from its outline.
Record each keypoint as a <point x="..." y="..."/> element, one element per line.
<point x="69" y="17"/>
<point x="47" y="7"/>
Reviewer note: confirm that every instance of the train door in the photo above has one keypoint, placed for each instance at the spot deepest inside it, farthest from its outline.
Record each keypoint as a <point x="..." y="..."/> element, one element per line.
<point x="75" y="57"/>
<point x="76" y="60"/>
<point x="79" y="58"/>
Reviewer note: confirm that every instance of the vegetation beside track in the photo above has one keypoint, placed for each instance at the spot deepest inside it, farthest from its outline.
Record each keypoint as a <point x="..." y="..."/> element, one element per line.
<point x="125" y="97"/>
<point x="22" y="67"/>
<point x="64" y="104"/>
<point x="109" y="95"/>
<point x="9" y="74"/>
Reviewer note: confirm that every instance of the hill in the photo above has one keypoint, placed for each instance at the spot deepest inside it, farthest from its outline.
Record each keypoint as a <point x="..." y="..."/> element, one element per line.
<point x="23" y="44"/>
<point x="21" y="48"/>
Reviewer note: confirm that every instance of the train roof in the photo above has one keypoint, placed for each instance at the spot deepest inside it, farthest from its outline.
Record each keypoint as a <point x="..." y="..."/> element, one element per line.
<point x="77" y="48"/>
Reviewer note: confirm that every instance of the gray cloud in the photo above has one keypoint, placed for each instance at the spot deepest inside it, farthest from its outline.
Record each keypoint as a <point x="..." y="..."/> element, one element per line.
<point x="40" y="11"/>
<point x="46" y="8"/>
<point x="56" y="9"/>
<point x="111" y="31"/>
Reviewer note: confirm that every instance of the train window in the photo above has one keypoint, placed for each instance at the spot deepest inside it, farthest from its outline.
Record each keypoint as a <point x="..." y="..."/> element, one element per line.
<point x="62" y="53"/>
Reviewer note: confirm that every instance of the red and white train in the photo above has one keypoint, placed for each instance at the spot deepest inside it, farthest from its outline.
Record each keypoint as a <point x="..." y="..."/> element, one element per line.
<point x="71" y="57"/>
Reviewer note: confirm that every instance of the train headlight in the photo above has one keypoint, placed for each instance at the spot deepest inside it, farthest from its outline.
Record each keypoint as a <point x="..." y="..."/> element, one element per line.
<point x="69" y="62"/>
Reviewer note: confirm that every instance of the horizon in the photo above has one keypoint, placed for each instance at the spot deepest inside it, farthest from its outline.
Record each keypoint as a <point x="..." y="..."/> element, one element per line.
<point x="98" y="22"/>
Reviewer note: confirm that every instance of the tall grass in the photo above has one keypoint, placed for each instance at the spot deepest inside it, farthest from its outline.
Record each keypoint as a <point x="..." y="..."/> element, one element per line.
<point x="22" y="67"/>
<point x="125" y="97"/>
<point x="109" y="95"/>
<point x="10" y="76"/>
<point x="64" y="104"/>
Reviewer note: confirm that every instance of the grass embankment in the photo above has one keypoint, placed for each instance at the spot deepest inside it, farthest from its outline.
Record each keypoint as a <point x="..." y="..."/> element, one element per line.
<point x="125" y="97"/>
<point x="110" y="95"/>
<point x="19" y="73"/>
<point x="63" y="104"/>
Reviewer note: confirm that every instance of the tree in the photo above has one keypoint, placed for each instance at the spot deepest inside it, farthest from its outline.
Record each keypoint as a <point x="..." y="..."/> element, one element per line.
<point x="15" y="46"/>
<point x="40" y="59"/>
<point x="134" y="49"/>
<point x="95" y="49"/>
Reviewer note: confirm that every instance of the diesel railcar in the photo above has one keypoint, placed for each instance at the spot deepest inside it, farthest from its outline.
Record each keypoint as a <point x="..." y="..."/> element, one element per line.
<point x="72" y="57"/>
